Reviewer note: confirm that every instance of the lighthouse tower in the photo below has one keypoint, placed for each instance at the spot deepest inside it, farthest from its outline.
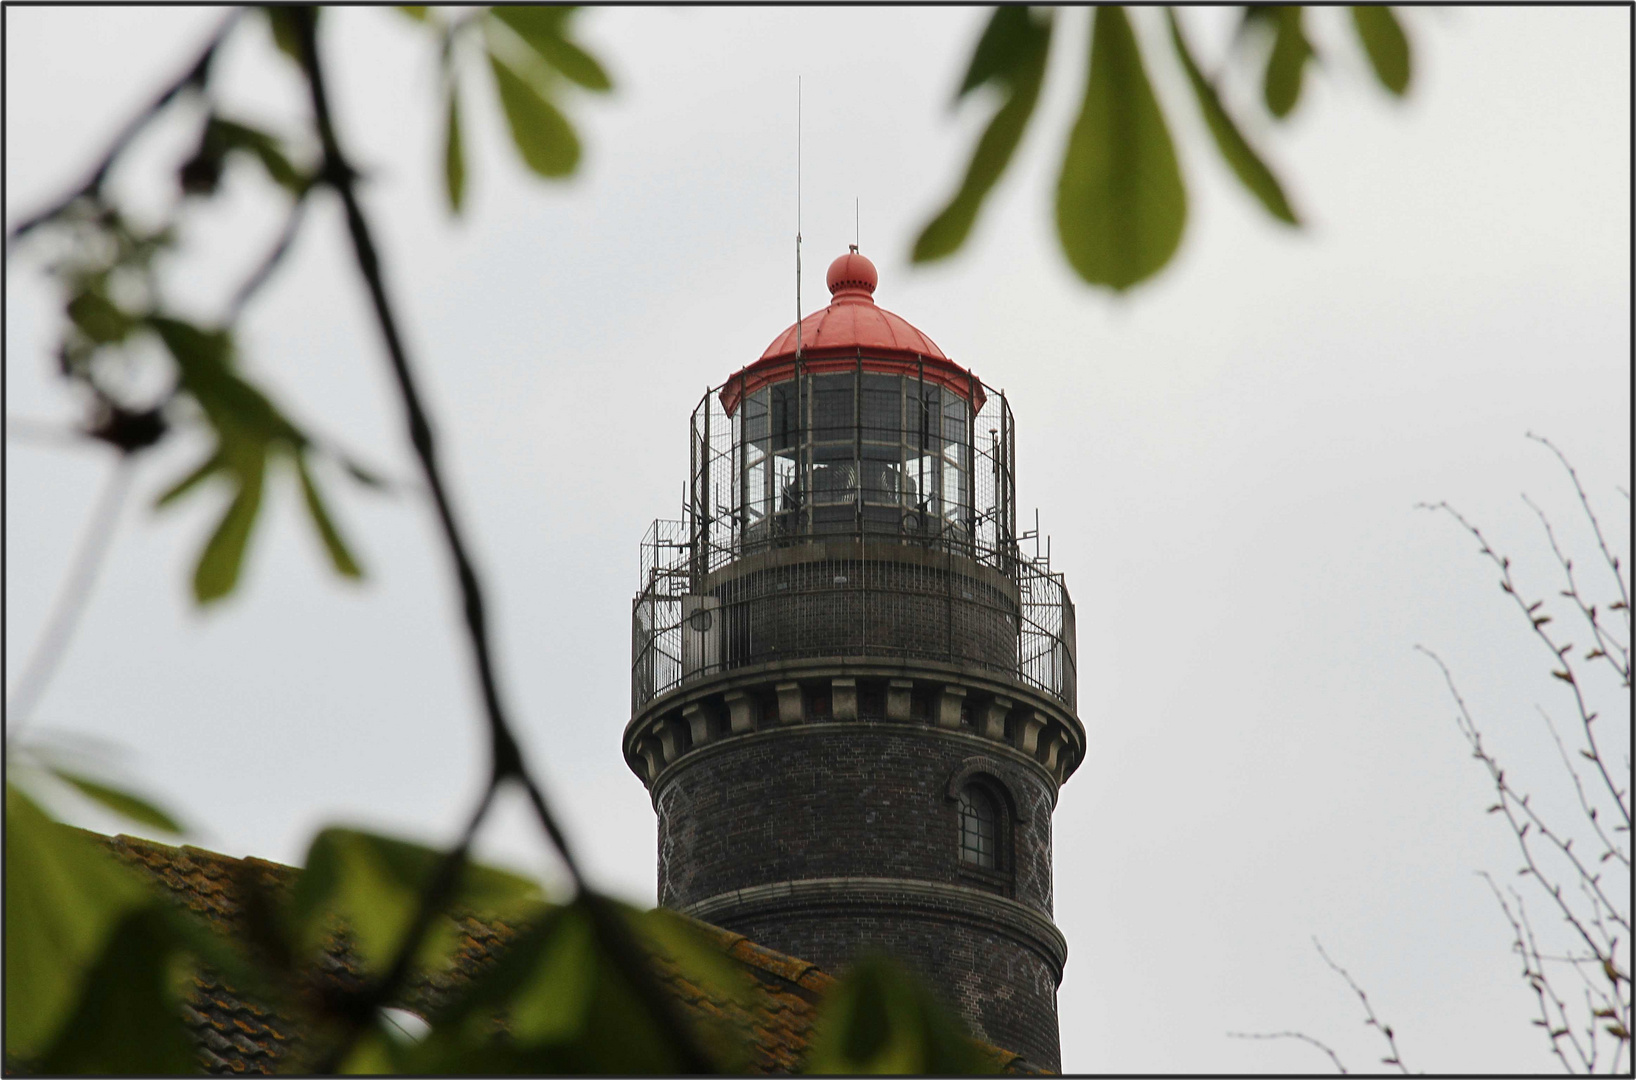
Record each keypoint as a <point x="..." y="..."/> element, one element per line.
<point x="852" y="693"/>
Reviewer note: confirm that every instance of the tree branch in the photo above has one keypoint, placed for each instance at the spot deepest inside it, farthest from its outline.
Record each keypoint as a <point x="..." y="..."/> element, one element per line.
<point x="70" y="604"/>
<point x="195" y="77"/>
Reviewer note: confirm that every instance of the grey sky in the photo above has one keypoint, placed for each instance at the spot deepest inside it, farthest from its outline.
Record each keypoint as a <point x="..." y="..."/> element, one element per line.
<point x="1227" y="460"/>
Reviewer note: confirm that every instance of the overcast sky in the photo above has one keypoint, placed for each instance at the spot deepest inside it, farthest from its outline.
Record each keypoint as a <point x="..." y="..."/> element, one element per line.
<point x="1228" y="460"/>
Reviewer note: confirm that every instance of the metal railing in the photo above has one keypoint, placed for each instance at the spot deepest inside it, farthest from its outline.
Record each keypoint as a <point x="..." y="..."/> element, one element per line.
<point x="942" y="576"/>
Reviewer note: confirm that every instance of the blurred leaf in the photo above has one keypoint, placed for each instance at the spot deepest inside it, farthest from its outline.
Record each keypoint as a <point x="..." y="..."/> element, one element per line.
<point x="881" y="1019"/>
<point x="120" y="802"/>
<point x="99" y="319"/>
<point x="339" y="555"/>
<point x="1011" y="52"/>
<point x="208" y="468"/>
<point x="542" y="134"/>
<point x="1245" y="162"/>
<point x="285" y="35"/>
<point x="567" y="1009"/>
<point x="1007" y="42"/>
<point x="127" y="1019"/>
<point x="372" y="885"/>
<point x="418" y="12"/>
<point x="363" y="474"/>
<point x="1291" y="50"/>
<point x="374" y="1054"/>
<point x="454" y="154"/>
<point x="1121" y="206"/>
<point x="217" y="572"/>
<point x="542" y="28"/>
<point x="678" y="940"/>
<point x="265" y="148"/>
<point x="63" y="897"/>
<point x="1388" y="47"/>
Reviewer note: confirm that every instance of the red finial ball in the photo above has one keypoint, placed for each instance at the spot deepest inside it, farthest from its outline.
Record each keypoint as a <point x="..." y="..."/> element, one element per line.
<point x="851" y="273"/>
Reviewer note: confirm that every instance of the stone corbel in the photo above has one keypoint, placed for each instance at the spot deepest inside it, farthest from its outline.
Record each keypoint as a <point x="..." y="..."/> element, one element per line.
<point x="1029" y="726"/>
<point x="949" y="700"/>
<point x="995" y="711"/>
<point x="843" y="698"/>
<point x="740" y="712"/>
<point x="698" y="722"/>
<point x="789" y="703"/>
<point x="897" y="698"/>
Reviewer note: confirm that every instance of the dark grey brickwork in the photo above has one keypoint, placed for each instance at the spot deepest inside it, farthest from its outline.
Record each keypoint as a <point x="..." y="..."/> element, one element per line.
<point x="871" y="799"/>
<point x="1006" y="992"/>
<point x="836" y="800"/>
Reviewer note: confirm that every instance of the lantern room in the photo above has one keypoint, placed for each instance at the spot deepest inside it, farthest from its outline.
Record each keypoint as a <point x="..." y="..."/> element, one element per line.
<point x="856" y="454"/>
<point x="852" y="422"/>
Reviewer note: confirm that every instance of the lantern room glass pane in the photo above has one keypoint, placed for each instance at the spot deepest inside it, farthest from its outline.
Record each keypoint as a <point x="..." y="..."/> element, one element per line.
<point x="833" y="416"/>
<point x="784" y="417"/>
<point x="882" y="413"/>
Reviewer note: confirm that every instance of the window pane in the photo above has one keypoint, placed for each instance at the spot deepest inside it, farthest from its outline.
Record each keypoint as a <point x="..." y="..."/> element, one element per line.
<point x="785" y="421"/>
<point x="883" y="479"/>
<point x="832" y="416"/>
<point x="834" y="474"/>
<point x="755" y="415"/>
<point x="882" y="407"/>
<point x="979" y="829"/>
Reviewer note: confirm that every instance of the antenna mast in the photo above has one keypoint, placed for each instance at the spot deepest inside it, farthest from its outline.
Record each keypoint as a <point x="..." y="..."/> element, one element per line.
<point x="798" y="219"/>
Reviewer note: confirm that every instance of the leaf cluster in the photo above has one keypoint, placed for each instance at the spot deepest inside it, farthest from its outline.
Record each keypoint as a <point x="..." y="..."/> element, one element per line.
<point x="1121" y="202"/>
<point x="100" y="964"/>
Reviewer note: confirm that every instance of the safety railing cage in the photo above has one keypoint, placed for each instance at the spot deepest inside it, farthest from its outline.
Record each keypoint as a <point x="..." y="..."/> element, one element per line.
<point x="884" y="458"/>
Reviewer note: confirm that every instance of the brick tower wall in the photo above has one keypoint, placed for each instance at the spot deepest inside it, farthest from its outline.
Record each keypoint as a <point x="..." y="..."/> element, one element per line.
<point x="832" y="839"/>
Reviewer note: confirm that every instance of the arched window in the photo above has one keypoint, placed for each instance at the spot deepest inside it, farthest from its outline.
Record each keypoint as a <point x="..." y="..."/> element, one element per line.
<point x="979" y="828"/>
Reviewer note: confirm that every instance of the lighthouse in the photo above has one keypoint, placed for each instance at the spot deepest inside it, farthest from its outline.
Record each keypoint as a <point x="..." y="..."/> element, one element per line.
<point x="853" y="694"/>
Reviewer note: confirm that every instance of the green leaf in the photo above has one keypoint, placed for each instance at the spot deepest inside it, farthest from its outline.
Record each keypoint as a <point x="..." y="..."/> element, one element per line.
<point x="542" y="134"/>
<point x="1246" y="164"/>
<point x="1012" y="51"/>
<point x="1121" y="206"/>
<point x="127" y="1019"/>
<point x="237" y="410"/>
<point x="261" y="145"/>
<point x="568" y="1008"/>
<point x="372" y="885"/>
<point x="339" y="555"/>
<point x="99" y="318"/>
<point x="217" y="572"/>
<point x="418" y="12"/>
<point x="281" y="22"/>
<point x="207" y="468"/>
<point x="881" y="1019"/>
<point x="120" y="802"/>
<point x="1281" y="86"/>
<point x="454" y="154"/>
<point x="1007" y="42"/>
<point x="1387" y="45"/>
<point x="542" y="28"/>
<point x="63" y="898"/>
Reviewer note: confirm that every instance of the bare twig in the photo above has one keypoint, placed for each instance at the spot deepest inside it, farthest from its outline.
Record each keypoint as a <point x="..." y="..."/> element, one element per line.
<point x="194" y="78"/>
<point x="269" y="263"/>
<point x="88" y="558"/>
<point x="1302" y="1036"/>
<point x="1596" y="526"/>
<point x="1610" y="648"/>
<point x="1372" y="1021"/>
<point x="1562" y="653"/>
<point x="1511" y="804"/>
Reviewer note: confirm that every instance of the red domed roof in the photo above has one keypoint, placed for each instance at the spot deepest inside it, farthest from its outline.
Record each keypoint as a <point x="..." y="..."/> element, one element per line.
<point x="850" y="329"/>
<point x="853" y="321"/>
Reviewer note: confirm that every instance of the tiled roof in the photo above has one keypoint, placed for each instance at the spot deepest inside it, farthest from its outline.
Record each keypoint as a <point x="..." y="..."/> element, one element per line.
<point x="234" y="1036"/>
